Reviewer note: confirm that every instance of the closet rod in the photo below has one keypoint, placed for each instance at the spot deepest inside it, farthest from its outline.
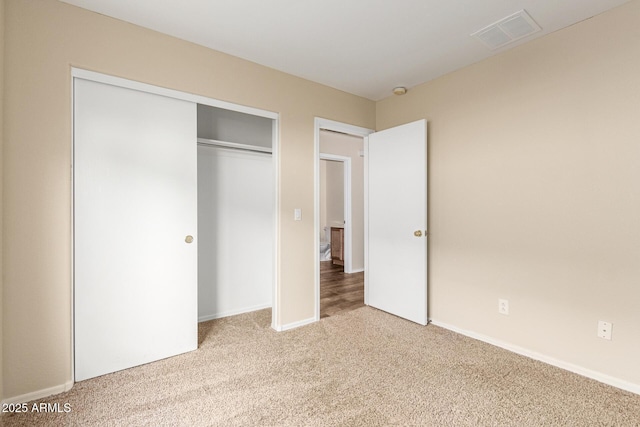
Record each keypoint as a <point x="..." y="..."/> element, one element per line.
<point x="235" y="145"/>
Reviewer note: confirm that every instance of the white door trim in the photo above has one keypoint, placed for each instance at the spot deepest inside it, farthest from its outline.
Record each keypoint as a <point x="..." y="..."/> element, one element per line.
<point x="144" y="87"/>
<point x="320" y="123"/>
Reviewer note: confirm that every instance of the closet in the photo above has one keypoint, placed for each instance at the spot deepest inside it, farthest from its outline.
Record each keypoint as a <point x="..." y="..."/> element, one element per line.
<point x="235" y="212"/>
<point x="173" y="219"/>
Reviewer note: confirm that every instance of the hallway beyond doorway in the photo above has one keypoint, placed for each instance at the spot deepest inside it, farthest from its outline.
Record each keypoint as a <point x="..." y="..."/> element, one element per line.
<point x="339" y="292"/>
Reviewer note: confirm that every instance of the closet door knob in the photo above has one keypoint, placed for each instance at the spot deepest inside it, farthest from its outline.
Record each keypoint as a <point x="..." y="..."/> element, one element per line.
<point x="188" y="239"/>
<point x="417" y="233"/>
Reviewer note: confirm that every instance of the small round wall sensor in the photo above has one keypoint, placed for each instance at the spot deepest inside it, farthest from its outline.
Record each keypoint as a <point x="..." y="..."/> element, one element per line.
<point x="399" y="90"/>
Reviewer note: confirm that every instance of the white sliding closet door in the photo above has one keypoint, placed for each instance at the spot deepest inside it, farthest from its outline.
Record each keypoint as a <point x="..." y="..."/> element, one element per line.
<point x="135" y="203"/>
<point x="235" y="225"/>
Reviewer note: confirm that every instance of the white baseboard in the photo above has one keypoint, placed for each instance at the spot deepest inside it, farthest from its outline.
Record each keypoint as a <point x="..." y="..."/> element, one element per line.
<point x="39" y="394"/>
<point x="232" y="312"/>
<point x="294" y="324"/>
<point x="594" y="375"/>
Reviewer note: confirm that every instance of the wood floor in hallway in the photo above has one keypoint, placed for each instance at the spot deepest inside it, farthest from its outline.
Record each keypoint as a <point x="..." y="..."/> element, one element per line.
<point x="339" y="292"/>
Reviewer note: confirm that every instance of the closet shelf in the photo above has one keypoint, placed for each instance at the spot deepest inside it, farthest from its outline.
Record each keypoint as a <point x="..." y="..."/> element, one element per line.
<point x="234" y="145"/>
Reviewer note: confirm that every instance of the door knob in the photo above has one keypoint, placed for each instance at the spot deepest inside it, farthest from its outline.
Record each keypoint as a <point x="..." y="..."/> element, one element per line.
<point x="188" y="239"/>
<point x="417" y="233"/>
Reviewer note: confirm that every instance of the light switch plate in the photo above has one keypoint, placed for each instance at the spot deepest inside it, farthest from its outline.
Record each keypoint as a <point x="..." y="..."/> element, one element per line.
<point x="297" y="214"/>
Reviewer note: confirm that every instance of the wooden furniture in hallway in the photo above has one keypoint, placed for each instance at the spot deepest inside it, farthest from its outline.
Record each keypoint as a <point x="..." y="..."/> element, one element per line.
<point x="337" y="245"/>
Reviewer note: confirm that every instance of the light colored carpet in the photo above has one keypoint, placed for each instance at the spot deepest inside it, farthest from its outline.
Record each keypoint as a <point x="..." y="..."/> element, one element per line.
<point x="363" y="368"/>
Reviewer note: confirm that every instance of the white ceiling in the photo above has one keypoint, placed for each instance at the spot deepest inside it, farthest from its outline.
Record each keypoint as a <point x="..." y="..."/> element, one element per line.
<point x="364" y="47"/>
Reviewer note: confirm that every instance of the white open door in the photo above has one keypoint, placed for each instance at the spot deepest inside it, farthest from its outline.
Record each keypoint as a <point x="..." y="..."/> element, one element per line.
<point x="396" y="279"/>
<point x="135" y="203"/>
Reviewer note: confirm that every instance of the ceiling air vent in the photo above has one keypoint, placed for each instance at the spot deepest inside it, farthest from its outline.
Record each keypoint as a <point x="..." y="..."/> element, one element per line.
<point x="507" y="30"/>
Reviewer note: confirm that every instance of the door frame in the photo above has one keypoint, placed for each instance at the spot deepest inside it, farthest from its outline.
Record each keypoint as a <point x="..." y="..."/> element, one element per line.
<point x="326" y="124"/>
<point x="198" y="99"/>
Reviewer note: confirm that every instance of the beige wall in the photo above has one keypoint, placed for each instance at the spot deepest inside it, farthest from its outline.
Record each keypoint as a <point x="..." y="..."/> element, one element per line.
<point x="350" y="146"/>
<point x="44" y="38"/>
<point x="334" y="194"/>
<point x="534" y="195"/>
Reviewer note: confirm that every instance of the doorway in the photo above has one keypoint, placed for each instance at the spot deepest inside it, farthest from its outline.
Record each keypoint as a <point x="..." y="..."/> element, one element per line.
<point x="339" y="291"/>
<point x="339" y="151"/>
<point x="335" y="209"/>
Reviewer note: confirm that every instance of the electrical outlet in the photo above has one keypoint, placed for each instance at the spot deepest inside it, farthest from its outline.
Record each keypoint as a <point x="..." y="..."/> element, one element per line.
<point x="604" y="329"/>
<point x="503" y="306"/>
